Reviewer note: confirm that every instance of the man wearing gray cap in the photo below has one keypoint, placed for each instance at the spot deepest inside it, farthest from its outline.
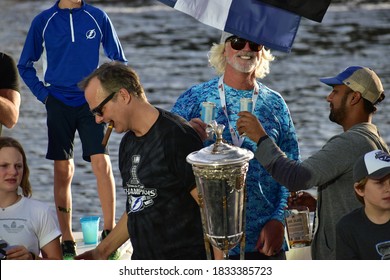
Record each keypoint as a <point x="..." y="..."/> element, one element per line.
<point x="356" y="92"/>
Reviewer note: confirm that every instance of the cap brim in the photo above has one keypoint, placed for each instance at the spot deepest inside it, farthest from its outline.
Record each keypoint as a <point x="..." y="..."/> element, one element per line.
<point x="379" y="174"/>
<point x="331" y="81"/>
<point x="225" y="36"/>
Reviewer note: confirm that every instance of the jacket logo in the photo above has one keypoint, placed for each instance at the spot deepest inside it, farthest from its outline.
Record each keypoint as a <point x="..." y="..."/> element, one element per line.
<point x="90" y="34"/>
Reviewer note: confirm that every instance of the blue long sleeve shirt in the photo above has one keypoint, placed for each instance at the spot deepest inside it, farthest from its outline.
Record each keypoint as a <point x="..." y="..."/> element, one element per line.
<point x="68" y="41"/>
<point x="266" y="199"/>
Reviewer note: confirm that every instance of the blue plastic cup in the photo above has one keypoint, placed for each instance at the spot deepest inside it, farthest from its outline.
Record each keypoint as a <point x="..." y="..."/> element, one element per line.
<point x="90" y="228"/>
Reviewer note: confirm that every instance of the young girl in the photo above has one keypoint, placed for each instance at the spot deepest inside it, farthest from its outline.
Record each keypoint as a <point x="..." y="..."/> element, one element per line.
<point x="28" y="228"/>
<point x="365" y="232"/>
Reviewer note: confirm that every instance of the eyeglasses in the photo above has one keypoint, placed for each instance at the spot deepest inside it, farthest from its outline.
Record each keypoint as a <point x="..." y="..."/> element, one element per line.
<point x="97" y="111"/>
<point x="239" y="43"/>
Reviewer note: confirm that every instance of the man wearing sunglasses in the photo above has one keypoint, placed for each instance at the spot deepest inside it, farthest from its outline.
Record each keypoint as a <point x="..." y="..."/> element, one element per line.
<point x="239" y="63"/>
<point x="162" y="217"/>
<point x="68" y="36"/>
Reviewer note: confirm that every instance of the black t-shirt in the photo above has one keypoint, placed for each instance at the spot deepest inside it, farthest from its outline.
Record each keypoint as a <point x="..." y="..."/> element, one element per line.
<point x="357" y="238"/>
<point x="163" y="218"/>
<point x="9" y="76"/>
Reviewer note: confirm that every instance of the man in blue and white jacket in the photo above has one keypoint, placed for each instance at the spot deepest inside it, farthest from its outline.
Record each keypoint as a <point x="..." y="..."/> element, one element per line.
<point x="68" y="37"/>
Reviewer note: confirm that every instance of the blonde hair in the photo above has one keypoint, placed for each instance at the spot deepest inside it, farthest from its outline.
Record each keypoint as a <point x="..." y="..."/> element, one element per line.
<point x="218" y="61"/>
<point x="25" y="183"/>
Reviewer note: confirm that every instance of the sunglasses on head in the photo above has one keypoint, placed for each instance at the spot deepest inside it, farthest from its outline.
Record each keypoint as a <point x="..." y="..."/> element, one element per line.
<point x="97" y="111"/>
<point x="239" y="43"/>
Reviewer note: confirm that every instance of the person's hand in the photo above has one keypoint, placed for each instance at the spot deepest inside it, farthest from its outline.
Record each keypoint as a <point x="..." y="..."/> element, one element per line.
<point x="249" y="125"/>
<point x="271" y="238"/>
<point x="90" y="255"/>
<point x="303" y="199"/>
<point x="18" y="253"/>
<point x="200" y="127"/>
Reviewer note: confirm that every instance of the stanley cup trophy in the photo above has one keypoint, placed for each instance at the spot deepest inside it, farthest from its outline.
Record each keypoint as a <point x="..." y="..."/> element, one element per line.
<point x="220" y="172"/>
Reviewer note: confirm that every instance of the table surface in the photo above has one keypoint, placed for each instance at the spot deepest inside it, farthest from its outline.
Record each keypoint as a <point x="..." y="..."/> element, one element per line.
<point x="126" y="249"/>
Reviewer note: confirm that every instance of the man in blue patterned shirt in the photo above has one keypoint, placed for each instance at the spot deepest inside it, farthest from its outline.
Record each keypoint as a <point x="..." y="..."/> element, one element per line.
<point x="238" y="63"/>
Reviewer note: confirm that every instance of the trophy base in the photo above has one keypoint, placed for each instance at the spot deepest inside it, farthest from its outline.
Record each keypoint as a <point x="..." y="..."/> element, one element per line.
<point x="225" y="242"/>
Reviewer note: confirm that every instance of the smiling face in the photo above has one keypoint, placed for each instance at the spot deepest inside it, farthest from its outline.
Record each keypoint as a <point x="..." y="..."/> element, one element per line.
<point x="115" y="110"/>
<point x="244" y="60"/>
<point x="11" y="169"/>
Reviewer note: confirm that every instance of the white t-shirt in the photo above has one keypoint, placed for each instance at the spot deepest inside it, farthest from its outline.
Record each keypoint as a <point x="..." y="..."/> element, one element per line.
<point x="30" y="223"/>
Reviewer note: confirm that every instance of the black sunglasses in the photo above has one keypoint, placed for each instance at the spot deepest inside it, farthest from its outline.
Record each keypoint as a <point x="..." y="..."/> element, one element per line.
<point x="239" y="43"/>
<point x="97" y="111"/>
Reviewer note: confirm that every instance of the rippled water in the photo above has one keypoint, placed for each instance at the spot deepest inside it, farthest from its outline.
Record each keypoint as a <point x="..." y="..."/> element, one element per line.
<point x="168" y="49"/>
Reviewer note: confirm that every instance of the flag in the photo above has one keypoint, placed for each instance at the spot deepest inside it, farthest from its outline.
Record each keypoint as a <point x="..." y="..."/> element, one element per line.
<point x="253" y="20"/>
<point x="311" y="9"/>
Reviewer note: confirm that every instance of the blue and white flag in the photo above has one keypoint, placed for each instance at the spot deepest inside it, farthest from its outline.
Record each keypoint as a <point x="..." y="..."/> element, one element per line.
<point x="253" y="20"/>
<point x="314" y="10"/>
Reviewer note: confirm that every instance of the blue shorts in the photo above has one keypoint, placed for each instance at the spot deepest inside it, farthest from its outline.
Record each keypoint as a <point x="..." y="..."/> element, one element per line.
<point x="62" y="123"/>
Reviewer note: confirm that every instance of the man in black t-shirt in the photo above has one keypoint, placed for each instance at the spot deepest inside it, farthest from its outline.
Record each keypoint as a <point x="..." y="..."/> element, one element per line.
<point x="9" y="92"/>
<point x="162" y="216"/>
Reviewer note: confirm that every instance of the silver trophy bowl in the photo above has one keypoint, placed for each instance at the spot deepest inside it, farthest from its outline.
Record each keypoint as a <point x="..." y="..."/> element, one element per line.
<point x="220" y="172"/>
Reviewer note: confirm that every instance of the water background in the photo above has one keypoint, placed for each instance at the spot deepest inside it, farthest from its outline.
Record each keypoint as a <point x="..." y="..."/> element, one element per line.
<point x="169" y="51"/>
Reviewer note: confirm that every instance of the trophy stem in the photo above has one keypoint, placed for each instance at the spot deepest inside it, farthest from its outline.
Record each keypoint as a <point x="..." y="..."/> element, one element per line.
<point x="225" y="226"/>
<point x="207" y="243"/>
<point x="242" y="243"/>
<point x="226" y="248"/>
<point x="225" y="254"/>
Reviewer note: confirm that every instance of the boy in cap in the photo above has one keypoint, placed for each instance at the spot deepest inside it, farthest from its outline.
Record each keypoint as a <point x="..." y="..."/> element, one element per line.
<point x="355" y="93"/>
<point x="364" y="234"/>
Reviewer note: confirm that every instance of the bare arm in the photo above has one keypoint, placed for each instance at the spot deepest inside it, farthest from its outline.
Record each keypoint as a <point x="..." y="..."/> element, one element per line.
<point x="51" y="251"/>
<point x="113" y="241"/>
<point x="9" y="107"/>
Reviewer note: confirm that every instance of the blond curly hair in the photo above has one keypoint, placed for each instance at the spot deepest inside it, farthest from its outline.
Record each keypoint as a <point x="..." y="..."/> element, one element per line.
<point x="218" y="61"/>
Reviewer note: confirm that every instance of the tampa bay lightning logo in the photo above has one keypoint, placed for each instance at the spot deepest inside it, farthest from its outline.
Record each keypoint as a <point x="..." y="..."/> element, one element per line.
<point x="91" y="34"/>
<point x="137" y="204"/>
<point x="381" y="155"/>
<point x="138" y="196"/>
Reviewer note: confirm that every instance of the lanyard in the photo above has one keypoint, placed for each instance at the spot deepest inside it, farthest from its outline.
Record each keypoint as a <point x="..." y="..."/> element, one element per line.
<point x="237" y="139"/>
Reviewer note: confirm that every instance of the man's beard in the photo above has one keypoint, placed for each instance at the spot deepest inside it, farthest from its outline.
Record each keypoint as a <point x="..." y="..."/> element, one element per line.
<point x="241" y="65"/>
<point x="338" y="115"/>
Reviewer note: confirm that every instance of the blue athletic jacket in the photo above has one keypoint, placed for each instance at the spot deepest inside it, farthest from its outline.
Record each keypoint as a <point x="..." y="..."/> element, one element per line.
<point x="68" y="40"/>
